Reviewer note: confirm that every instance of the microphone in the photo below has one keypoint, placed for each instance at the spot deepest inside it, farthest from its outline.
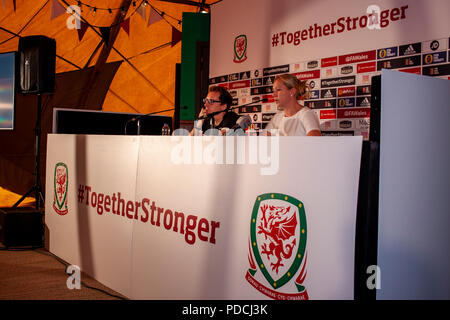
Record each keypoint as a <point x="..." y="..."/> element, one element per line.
<point x="243" y="123"/>
<point x="244" y="105"/>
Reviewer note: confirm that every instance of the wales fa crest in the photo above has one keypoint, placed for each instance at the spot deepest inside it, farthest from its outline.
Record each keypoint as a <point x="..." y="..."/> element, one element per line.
<point x="240" y="48"/>
<point x="277" y="247"/>
<point x="60" y="184"/>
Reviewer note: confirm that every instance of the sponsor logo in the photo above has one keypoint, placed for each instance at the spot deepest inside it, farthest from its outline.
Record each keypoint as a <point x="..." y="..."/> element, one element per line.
<point x="256" y="82"/>
<point x="233" y="77"/>
<point x="387" y="53"/>
<point x="410" y="49"/>
<point x="295" y="67"/>
<point x="255" y="126"/>
<point x="218" y="80"/>
<point x="244" y="100"/>
<point x="362" y="90"/>
<point x="357" y="57"/>
<point x="328" y="62"/>
<point x="327" y="114"/>
<point x="345" y="124"/>
<point x="277" y="247"/>
<point x="363" y="101"/>
<point x="312" y="64"/>
<point x="338" y="82"/>
<point x="275" y="70"/>
<point x="317" y="104"/>
<point x="346" y="70"/>
<point x="440" y="70"/>
<point x="366" y="67"/>
<point x="244" y="75"/>
<point x="255" y="117"/>
<point x="306" y="75"/>
<point x="267" y="116"/>
<point x="240" y="48"/>
<point x="363" y="124"/>
<point x="338" y="133"/>
<point x="329" y="103"/>
<point x="268" y="81"/>
<point x="240" y="84"/>
<point x="354" y="113"/>
<point x="60" y="186"/>
<point x="346" y="102"/>
<point x="244" y="92"/>
<point x="399" y="63"/>
<point x="428" y="59"/>
<point x="363" y="79"/>
<point x="314" y="94"/>
<point x="310" y="104"/>
<point x="328" y="72"/>
<point x="328" y="93"/>
<point x="250" y="109"/>
<point x="345" y="92"/>
<point x="416" y="70"/>
<point x="261" y="90"/>
<point x="437" y="57"/>
<point x="434" y="45"/>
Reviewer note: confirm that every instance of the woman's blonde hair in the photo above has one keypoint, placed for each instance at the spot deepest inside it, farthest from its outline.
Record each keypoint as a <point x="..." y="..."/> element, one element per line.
<point x="291" y="81"/>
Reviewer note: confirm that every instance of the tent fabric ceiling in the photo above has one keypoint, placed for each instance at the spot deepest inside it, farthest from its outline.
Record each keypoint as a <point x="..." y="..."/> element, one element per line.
<point x="151" y="59"/>
<point x="136" y="74"/>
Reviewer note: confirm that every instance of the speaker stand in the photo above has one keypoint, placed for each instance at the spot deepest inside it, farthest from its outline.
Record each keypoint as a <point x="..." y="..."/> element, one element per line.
<point x="37" y="189"/>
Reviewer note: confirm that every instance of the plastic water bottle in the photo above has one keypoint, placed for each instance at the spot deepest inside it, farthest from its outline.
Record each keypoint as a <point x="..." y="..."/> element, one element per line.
<point x="165" y="130"/>
<point x="198" y="127"/>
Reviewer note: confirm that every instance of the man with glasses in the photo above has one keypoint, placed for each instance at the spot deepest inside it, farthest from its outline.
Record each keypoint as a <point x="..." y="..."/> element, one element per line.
<point x="216" y="110"/>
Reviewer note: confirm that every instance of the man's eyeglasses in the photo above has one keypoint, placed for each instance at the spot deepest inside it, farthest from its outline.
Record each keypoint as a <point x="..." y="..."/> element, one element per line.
<point x="210" y="101"/>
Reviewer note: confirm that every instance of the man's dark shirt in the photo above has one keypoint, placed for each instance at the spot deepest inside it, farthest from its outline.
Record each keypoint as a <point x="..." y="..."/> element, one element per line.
<point x="228" y="121"/>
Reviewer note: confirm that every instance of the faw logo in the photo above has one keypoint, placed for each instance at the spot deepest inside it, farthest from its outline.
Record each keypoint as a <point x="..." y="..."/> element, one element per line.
<point x="60" y="183"/>
<point x="277" y="247"/>
<point x="240" y="48"/>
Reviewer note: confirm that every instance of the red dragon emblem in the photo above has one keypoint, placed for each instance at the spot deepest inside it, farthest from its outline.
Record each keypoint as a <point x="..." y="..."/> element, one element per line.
<point x="277" y="247"/>
<point x="60" y="189"/>
<point x="60" y="183"/>
<point x="278" y="227"/>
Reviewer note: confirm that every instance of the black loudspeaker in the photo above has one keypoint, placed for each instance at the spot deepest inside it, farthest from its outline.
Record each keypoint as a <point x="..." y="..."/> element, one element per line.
<point x="37" y="58"/>
<point x="21" y="227"/>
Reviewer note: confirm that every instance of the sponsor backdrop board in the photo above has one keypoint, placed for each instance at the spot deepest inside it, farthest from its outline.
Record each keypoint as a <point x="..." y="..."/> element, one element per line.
<point x="336" y="46"/>
<point x="207" y="217"/>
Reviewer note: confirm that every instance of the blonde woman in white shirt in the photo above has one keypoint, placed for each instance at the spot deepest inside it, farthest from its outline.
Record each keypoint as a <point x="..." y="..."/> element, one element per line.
<point x="295" y="119"/>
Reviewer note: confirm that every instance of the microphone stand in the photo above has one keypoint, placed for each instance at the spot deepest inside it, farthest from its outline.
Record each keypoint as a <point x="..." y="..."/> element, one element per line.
<point x="138" y="119"/>
<point x="229" y="109"/>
